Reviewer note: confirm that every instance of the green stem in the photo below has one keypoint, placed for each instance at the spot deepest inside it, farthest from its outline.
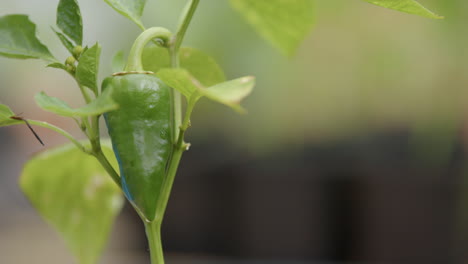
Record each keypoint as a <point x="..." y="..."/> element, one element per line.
<point x="153" y="228"/>
<point x="153" y="233"/>
<point x="180" y="147"/>
<point x="134" y="58"/>
<point x="175" y="44"/>
<point x="94" y="134"/>
<point x="85" y="93"/>
<point x="99" y="155"/>
<point x="176" y="98"/>
<point x="184" y="24"/>
<point x="82" y="89"/>
<point x="61" y="132"/>
<point x="94" y="138"/>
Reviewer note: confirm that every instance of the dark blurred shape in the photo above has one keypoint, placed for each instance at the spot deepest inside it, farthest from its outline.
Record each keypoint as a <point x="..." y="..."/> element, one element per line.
<point x="364" y="199"/>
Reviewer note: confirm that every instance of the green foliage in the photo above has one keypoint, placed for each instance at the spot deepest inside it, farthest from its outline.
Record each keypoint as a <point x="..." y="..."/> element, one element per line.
<point x="182" y="81"/>
<point x="75" y="195"/>
<point x="88" y="67"/>
<point x="65" y="41"/>
<point x="18" y="39"/>
<point x="103" y="103"/>
<point x="202" y="66"/>
<point x="118" y="62"/>
<point x="229" y="93"/>
<point x="131" y="9"/>
<point x="284" y="23"/>
<point x="57" y="65"/>
<point x="69" y="20"/>
<point x="407" y="6"/>
<point x="5" y="114"/>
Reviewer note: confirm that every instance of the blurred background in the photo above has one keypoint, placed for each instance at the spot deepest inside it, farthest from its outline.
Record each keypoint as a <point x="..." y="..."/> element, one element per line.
<point x="353" y="151"/>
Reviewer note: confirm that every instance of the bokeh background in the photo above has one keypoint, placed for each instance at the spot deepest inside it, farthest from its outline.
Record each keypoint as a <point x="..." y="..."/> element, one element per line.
<point x="353" y="151"/>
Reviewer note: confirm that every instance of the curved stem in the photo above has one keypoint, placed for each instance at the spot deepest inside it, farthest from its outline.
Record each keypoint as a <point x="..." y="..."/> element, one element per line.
<point x="153" y="233"/>
<point x="134" y="58"/>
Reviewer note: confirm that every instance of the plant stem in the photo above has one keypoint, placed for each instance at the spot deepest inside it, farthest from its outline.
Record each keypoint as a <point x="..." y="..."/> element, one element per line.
<point x="153" y="233"/>
<point x="175" y="44"/>
<point x="180" y="147"/>
<point x="184" y="24"/>
<point x="153" y="228"/>
<point x="84" y="93"/>
<point x="176" y="98"/>
<point x="107" y="166"/>
<point x="134" y="58"/>
<point x="97" y="152"/>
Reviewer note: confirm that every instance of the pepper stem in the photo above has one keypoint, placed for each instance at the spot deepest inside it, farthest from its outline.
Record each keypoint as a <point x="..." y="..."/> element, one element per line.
<point x="134" y="62"/>
<point x="153" y="233"/>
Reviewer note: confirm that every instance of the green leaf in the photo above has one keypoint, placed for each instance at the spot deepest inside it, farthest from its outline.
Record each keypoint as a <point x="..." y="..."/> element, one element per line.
<point x="284" y="23"/>
<point x="5" y="116"/>
<point x="118" y="61"/>
<point x="131" y="9"/>
<point x="69" y="20"/>
<point x="18" y="39"/>
<point x="202" y="66"/>
<point x="181" y="80"/>
<point x="57" y="65"/>
<point x="229" y="93"/>
<point x="407" y="6"/>
<point x="65" y="41"/>
<point x="88" y="67"/>
<point x="103" y="103"/>
<point x="74" y="194"/>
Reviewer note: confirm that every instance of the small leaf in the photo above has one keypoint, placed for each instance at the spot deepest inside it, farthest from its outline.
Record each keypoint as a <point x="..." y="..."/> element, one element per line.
<point x="69" y="20"/>
<point x="181" y="80"/>
<point x="118" y="62"/>
<point x="74" y="194"/>
<point x="284" y="23"/>
<point x="88" y="67"/>
<point x="18" y="39"/>
<point x="231" y="93"/>
<point x="407" y="6"/>
<point x="65" y="41"/>
<point x="5" y="116"/>
<point x="57" y="65"/>
<point x="131" y="9"/>
<point x="202" y="66"/>
<point x="104" y="103"/>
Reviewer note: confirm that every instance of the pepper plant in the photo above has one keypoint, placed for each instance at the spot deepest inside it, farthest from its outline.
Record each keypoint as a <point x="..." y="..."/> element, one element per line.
<point x="78" y="187"/>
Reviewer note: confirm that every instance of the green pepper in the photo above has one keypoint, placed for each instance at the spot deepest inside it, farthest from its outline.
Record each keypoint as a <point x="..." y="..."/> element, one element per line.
<point x="141" y="134"/>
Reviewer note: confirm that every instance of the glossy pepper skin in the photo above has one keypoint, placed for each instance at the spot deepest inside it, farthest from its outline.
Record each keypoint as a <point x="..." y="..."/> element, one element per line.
<point x="141" y="135"/>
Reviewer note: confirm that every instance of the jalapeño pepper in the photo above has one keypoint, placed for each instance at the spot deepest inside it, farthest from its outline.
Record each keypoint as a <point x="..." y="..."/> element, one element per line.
<point x="141" y="129"/>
